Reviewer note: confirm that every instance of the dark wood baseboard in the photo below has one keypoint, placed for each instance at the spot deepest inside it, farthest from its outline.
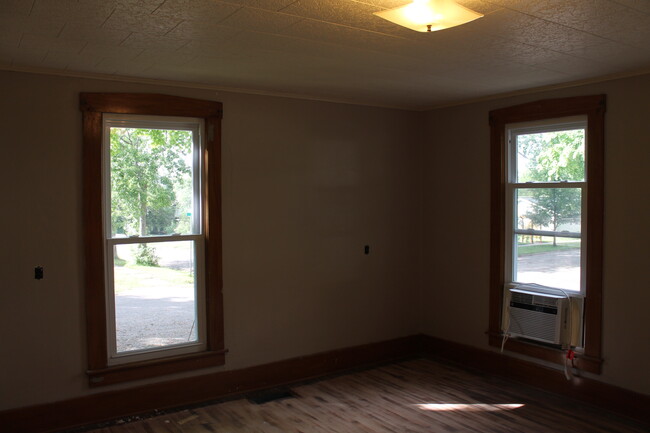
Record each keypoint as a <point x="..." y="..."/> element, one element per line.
<point x="109" y="405"/>
<point x="609" y="397"/>
<point x="141" y="399"/>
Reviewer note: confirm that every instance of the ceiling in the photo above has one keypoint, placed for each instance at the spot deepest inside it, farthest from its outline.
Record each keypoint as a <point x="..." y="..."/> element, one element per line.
<point x="329" y="49"/>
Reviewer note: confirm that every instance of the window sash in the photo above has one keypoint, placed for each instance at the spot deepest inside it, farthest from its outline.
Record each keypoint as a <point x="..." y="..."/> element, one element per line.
<point x="115" y="357"/>
<point x="195" y="125"/>
<point x="539" y="127"/>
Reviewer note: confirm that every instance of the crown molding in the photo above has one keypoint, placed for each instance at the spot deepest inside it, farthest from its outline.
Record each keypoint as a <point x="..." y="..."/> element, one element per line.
<point x="541" y="89"/>
<point x="199" y="86"/>
<point x="317" y="98"/>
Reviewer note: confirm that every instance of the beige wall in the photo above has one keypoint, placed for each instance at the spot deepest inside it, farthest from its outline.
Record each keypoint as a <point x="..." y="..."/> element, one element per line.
<point x="456" y="256"/>
<point x="305" y="186"/>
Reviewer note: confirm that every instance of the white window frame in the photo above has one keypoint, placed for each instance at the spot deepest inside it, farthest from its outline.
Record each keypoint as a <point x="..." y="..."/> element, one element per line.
<point x="196" y="126"/>
<point x="512" y="186"/>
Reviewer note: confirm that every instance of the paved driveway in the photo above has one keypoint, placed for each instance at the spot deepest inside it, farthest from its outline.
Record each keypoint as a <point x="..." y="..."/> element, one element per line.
<point x="554" y="269"/>
<point x="147" y="319"/>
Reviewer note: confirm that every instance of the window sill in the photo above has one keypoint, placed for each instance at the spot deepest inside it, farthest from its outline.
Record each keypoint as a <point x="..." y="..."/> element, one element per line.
<point x="157" y="367"/>
<point x="545" y="353"/>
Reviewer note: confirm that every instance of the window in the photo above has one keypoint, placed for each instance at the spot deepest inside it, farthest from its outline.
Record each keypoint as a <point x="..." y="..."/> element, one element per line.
<point x="152" y="235"/>
<point x="544" y="194"/>
<point x="154" y="239"/>
<point x="547" y="210"/>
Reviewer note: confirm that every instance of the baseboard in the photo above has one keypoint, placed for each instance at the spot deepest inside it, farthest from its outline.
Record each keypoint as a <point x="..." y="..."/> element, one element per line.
<point x="609" y="397"/>
<point x="182" y="392"/>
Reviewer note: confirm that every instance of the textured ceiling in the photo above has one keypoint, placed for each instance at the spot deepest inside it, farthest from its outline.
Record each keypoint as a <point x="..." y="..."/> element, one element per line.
<point x="330" y="49"/>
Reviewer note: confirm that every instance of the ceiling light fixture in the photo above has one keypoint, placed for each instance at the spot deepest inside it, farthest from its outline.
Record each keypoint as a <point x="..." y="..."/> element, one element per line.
<point x="429" y="15"/>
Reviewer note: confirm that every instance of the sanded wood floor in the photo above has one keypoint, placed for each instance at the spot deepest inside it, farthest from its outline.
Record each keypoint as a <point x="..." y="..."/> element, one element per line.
<point x="408" y="397"/>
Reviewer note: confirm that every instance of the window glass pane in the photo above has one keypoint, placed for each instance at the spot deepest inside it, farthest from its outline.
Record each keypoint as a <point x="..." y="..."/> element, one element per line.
<point x="549" y="261"/>
<point x="551" y="156"/>
<point x="155" y="295"/>
<point x="549" y="209"/>
<point x="151" y="182"/>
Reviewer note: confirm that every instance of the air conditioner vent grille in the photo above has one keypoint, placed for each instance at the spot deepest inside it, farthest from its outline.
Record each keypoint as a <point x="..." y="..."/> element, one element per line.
<point x="545" y="301"/>
<point x="533" y="324"/>
<point x="522" y="298"/>
<point x="527" y="298"/>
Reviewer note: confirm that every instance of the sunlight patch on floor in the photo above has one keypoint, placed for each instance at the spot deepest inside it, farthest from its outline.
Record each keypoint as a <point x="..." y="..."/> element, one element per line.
<point x="469" y="407"/>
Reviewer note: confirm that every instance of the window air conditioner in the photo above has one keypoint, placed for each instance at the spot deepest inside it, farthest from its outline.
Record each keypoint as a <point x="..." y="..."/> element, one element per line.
<point x="536" y="313"/>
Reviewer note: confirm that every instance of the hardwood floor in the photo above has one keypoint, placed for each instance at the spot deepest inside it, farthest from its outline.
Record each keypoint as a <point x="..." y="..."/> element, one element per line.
<point x="408" y="397"/>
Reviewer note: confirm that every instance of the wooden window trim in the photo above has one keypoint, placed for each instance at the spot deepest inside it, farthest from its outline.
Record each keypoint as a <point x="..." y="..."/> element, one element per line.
<point x="93" y="105"/>
<point x="594" y="108"/>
